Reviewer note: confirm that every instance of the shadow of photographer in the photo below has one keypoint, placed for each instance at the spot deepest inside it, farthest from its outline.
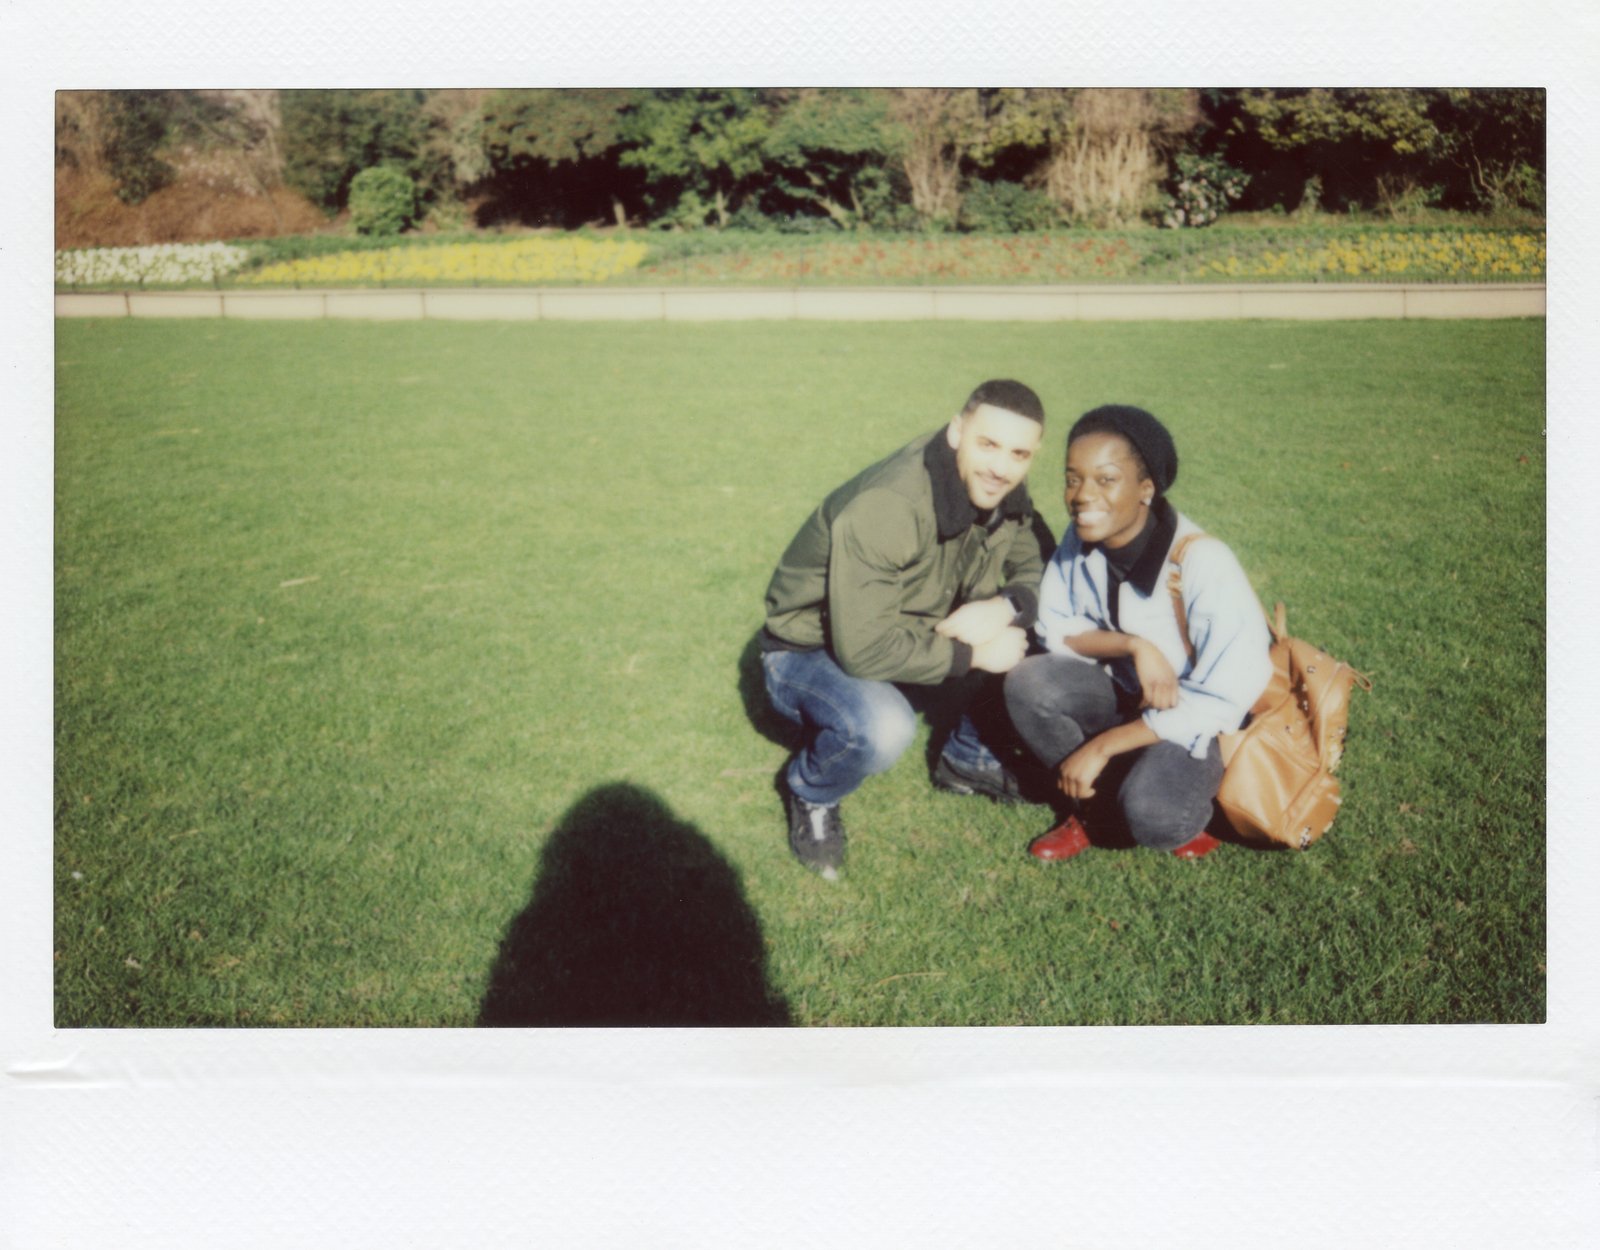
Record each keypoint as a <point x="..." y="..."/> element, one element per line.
<point x="635" y="920"/>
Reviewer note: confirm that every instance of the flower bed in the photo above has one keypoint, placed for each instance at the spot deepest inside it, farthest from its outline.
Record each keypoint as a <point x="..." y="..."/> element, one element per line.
<point x="1454" y="254"/>
<point x="524" y="260"/>
<point x="1023" y="257"/>
<point x="1218" y="254"/>
<point x="164" y="264"/>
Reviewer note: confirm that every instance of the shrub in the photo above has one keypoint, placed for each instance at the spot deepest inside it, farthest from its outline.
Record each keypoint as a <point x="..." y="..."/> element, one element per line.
<point x="1402" y="198"/>
<point x="330" y="136"/>
<point x="1516" y="184"/>
<point x="1007" y="208"/>
<point x="89" y="213"/>
<point x="382" y="201"/>
<point x="1201" y="190"/>
<point x="749" y="218"/>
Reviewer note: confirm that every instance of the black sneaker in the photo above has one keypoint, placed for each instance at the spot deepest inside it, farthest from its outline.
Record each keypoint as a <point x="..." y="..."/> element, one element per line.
<point x="816" y="835"/>
<point x="999" y="784"/>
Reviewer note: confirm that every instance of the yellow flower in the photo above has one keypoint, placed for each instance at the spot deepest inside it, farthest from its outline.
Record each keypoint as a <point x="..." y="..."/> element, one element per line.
<point x="522" y="260"/>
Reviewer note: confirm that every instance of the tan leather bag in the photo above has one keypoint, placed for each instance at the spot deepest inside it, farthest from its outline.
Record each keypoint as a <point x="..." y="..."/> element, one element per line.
<point x="1278" y="786"/>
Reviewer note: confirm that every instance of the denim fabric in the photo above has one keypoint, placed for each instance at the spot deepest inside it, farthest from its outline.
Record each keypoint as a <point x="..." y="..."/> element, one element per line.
<point x="965" y="745"/>
<point x="1164" y="795"/>
<point x="856" y="727"/>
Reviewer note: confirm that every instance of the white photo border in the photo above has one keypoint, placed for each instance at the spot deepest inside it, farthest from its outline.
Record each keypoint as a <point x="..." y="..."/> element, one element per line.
<point x="1422" y="1136"/>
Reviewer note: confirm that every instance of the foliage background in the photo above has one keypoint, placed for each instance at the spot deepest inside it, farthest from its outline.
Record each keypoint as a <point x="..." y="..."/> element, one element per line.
<point x="132" y="164"/>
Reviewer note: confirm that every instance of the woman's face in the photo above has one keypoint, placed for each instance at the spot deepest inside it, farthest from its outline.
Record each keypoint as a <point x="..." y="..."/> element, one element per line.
<point x="1105" y="495"/>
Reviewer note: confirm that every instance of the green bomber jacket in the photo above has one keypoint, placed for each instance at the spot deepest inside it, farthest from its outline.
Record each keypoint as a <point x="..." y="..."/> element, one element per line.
<point x="890" y="554"/>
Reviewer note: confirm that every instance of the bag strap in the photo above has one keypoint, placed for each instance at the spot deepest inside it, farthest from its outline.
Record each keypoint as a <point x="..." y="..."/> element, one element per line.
<point x="1175" y="587"/>
<point x="1277" y="622"/>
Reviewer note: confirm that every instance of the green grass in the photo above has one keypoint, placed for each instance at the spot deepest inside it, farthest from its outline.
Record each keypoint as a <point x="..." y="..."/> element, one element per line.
<point x="402" y="679"/>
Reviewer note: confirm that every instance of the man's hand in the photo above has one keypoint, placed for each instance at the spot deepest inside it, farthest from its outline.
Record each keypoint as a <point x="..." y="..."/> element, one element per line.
<point x="1002" y="653"/>
<point x="1077" y="773"/>
<point x="1157" y="681"/>
<point x="976" y="623"/>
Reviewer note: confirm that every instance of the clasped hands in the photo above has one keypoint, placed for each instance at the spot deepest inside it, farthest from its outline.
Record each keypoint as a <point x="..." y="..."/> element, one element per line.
<point x="985" y="625"/>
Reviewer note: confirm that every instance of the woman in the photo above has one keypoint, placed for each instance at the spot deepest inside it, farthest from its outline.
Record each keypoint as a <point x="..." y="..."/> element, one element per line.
<point x="1118" y="703"/>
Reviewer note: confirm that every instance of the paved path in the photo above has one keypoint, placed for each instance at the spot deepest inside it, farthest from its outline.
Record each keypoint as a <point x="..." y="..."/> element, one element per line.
<point x="1323" y="302"/>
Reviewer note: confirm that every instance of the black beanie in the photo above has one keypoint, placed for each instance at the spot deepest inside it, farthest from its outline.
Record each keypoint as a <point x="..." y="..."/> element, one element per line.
<point x="1147" y="436"/>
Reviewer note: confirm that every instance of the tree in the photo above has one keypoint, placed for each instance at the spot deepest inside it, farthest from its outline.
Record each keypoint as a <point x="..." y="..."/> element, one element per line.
<point x="83" y="122"/>
<point x="553" y="126"/>
<point x="455" y="140"/>
<point x="242" y="126"/>
<point x="1338" y="140"/>
<point x="1017" y="129"/>
<point x="830" y="149"/>
<point x="1458" y="147"/>
<point x="701" y="150"/>
<point x="1099" y="154"/>
<point x="136" y="130"/>
<point x="554" y="154"/>
<point x="1494" y="138"/>
<point x="1109" y="150"/>
<point x="932" y="131"/>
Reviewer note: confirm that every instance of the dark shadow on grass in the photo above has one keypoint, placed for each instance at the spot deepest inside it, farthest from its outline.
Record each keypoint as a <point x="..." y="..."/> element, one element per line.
<point x="635" y="920"/>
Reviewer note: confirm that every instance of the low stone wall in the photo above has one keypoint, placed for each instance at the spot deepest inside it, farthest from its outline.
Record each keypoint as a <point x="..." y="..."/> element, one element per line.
<point x="1318" y="302"/>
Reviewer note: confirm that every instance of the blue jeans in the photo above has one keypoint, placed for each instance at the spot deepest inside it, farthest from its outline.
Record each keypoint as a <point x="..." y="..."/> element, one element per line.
<point x="1163" y="794"/>
<point x="855" y="728"/>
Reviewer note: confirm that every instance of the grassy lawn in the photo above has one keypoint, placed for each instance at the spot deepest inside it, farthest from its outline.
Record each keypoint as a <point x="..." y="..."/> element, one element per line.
<point x="403" y="678"/>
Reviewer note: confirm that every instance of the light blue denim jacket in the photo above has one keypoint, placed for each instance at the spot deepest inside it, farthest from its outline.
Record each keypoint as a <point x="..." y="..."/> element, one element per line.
<point x="1226" y="626"/>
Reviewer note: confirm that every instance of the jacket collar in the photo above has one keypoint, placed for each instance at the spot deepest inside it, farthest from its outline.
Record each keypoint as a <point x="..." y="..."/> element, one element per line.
<point x="1147" y="568"/>
<point x="952" y="506"/>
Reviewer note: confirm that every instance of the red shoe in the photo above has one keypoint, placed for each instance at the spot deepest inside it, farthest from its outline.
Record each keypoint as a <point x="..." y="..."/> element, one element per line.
<point x="1201" y="844"/>
<point x="1067" y="839"/>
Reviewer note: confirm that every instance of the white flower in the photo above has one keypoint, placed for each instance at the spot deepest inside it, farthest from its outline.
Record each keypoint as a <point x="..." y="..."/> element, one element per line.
<point x="166" y="263"/>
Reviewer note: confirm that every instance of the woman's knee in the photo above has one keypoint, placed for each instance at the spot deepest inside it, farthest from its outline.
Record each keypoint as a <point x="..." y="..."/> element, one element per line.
<point x="1050" y="685"/>
<point x="1166" y="799"/>
<point x="1048" y="688"/>
<point x="1157" y="822"/>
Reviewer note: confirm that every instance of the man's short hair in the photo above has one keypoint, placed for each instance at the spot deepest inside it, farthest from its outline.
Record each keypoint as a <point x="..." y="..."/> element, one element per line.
<point x="1004" y="393"/>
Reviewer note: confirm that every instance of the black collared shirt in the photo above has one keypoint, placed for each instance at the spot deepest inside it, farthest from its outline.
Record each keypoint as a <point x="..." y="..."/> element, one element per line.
<point x="1140" y="561"/>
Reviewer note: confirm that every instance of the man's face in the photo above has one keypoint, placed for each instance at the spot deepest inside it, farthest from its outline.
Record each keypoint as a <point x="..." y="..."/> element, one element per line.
<point x="994" y="449"/>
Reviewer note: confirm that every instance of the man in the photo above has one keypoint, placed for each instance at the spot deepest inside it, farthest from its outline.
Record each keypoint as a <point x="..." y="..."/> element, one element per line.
<point x="919" y="571"/>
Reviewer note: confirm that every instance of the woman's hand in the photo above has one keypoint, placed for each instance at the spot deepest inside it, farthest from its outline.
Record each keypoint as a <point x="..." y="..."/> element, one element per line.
<point x="1157" y="681"/>
<point x="1077" y="773"/>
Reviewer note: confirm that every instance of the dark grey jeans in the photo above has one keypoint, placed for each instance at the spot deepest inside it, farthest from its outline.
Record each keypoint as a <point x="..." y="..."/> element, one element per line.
<point x="1163" y="794"/>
